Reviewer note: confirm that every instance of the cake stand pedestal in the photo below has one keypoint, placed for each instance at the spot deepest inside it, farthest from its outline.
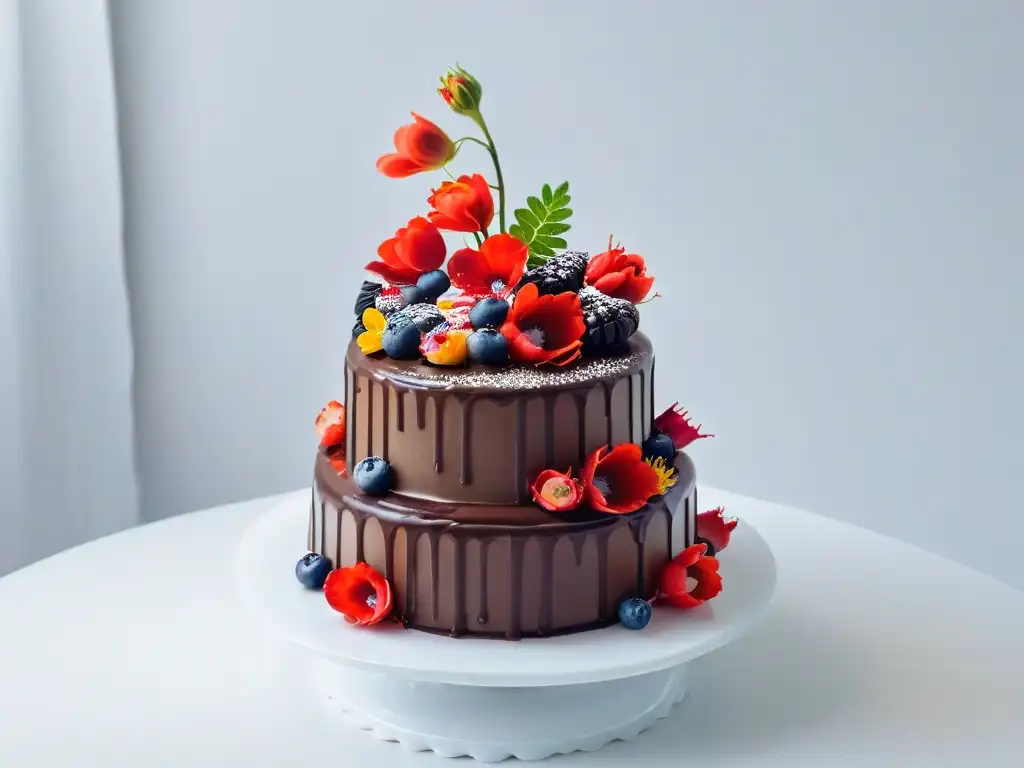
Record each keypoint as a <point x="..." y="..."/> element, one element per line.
<point x="490" y="699"/>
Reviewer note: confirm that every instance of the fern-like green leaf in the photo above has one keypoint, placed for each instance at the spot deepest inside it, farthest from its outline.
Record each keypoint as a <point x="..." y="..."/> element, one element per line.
<point x="541" y="221"/>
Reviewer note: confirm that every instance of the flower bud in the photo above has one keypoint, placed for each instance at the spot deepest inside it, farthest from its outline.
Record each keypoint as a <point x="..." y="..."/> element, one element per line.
<point x="461" y="91"/>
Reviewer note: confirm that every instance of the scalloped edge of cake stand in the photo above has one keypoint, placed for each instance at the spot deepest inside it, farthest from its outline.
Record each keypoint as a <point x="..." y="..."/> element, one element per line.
<point x="469" y="696"/>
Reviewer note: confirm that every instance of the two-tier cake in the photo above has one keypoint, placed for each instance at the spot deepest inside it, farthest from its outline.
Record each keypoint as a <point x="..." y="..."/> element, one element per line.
<point x="496" y="467"/>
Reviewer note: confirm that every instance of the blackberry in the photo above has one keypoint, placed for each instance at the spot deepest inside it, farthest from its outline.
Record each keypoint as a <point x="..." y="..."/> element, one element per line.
<point x="610" y="322"/>
<point x="558" y="274"/>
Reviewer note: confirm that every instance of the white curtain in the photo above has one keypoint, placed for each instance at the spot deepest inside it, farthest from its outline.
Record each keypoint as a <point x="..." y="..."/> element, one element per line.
<point x="66" y="445"/>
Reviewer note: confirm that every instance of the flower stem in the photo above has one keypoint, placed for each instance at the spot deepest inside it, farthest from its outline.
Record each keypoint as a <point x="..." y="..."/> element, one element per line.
<point x="479" y="120"/>
<point x="484" y="233"/>
<point x="475" y="140"/>
<point x="479" y="242"/>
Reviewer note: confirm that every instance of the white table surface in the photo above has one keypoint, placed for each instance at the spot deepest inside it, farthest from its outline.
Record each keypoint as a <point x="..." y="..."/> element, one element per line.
<point x="134" y="651"/>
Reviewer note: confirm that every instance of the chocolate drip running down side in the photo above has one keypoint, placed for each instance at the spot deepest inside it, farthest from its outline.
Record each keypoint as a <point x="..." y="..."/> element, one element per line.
<point x="502" y="571"/>
<point x="481" y="433"/>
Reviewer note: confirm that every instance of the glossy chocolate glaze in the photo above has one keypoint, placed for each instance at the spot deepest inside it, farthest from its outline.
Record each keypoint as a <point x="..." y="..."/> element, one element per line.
<point x="476" y="435"/>
<point x="499" y="570"/>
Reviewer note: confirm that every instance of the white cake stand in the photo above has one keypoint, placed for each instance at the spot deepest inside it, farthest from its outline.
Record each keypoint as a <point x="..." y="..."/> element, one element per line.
<point x="492" y="699"/>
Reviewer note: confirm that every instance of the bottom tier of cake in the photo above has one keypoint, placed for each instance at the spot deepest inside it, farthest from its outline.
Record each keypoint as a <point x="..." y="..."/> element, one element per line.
<point x="504" y="572"/>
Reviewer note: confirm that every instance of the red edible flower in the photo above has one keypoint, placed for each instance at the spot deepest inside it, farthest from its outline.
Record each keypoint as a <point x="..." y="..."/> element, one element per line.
<point x="421" y="145"/>
<point x="544" y="329"/>
<point x="493" y="270"/>
<point x="690" y="579"/>
<point x="361" y="594"/>
<point x="557" y="491"/>
<point x="675" y="422"/>
<point x="618" y="481"/>
<point x="464" y="205"/>
<point x="619" y="274"/>
<point x="715" y="529"/>
<point x="330" y="424"/>
<point x="415" y="249"/>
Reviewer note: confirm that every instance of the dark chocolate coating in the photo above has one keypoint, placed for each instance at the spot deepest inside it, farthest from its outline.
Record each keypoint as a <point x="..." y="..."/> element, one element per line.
<point x="502" y="571"/>
<point x="476" y="435"/>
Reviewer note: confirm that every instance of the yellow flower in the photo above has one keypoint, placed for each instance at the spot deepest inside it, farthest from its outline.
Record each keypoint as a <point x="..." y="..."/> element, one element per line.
<point x="445" y="304"/>
<point x="666" y="474"/>
<point x="369" y="341"/>
<point x="445" y="347"/>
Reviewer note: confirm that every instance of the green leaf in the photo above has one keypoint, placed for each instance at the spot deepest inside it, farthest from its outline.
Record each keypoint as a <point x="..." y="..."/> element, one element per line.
<point x="552" y="229"/>
<point x="517" y="232"/>
<point x="550" y="242"/>
<point x="526" y="218"/>
<point x="541" y="221"/>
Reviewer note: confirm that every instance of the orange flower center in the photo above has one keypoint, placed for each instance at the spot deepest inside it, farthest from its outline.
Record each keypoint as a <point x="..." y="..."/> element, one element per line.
<point x="556" y="491"/>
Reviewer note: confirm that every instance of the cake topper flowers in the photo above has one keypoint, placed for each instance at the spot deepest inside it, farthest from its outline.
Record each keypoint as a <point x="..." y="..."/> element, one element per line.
<point x="577" y="306"/>
<point x="617" y="481"/>
<point x="690" y="579"/>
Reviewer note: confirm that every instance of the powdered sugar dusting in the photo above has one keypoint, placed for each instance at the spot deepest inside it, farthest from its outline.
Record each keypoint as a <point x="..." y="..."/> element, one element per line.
<point x="529" y="377"/>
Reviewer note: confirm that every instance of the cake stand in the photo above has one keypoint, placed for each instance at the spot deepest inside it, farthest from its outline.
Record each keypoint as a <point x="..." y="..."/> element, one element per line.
<point x="492" y="699"/>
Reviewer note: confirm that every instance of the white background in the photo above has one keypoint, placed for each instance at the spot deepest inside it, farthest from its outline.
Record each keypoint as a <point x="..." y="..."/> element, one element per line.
<point x="829" y="194"/>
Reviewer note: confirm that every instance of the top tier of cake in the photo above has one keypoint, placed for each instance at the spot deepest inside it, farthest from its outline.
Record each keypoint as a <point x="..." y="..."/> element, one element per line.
<point x="478" y="434"/>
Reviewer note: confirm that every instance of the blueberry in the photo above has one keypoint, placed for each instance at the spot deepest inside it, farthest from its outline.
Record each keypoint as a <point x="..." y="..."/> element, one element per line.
<point x="659" y="445"/>
<point x="433" y="284"/>
<point x="488" y="313"/>
<point x="412" y="295"/>
<point x="401" y="342"/>
<point x="312" y="570"/>
<point x="487" y="346"/>
<point x="710" y="547"/>
<point x="634" y="613"/>
<point x="373" y="476"/>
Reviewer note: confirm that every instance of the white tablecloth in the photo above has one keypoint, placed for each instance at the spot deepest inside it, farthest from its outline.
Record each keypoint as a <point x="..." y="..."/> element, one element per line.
<point x="134" y="651"/>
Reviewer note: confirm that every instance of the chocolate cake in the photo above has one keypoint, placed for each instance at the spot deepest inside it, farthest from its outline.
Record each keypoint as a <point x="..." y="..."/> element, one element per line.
<point x="496" y="467"/>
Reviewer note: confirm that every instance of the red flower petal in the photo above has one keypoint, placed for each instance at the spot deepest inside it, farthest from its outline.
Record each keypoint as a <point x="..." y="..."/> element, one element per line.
<point x="506" y="258"/>
<point x="359" y="593"/>
<point x="391" y="274"/>
<point x="420" y="245"/>
<point x="675" y="423"/>
<point x="468" y="270"/>
<point x="713" y="526"/>
<point x="398" y="166"/>
<point x="559" y="318"/>
<point x="609" y="282"/>
<point x="691" y="563"/>
<point x="619" y="274"/>
<point x="629" y="481"/>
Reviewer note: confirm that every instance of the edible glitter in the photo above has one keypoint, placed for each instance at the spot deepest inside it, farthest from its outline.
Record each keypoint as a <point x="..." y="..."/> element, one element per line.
<point x="525" y="377"/>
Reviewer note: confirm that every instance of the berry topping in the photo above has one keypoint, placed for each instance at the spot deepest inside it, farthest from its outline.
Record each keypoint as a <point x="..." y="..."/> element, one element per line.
<point x="373" y="476"/>
<point x="412" y="295"/>
<point x="487" y="346"/>
<point x="610" y="322"/>
<point x="389" y="300"/>
<point x="433" y="284"/>
<point x="634" y="613"/>
<point x="659" y="445"/>
<point x="312" y="570"/>
<point x="489" y="312"/>
<point x="401" y="339"/>
<point x="558" y="274"/>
